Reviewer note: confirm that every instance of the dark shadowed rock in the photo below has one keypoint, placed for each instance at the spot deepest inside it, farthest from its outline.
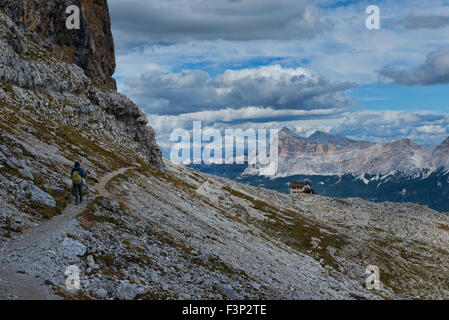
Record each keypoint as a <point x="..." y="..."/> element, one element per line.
<point x="91" y="47"/>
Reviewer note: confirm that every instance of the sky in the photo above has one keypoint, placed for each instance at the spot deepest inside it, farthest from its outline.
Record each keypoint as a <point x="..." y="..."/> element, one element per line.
<point x="307" y="65"/>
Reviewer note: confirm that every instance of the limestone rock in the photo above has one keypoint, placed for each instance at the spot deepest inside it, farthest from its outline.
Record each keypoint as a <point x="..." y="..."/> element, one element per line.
<point x="127" y="291"/>
<point x="73" y="247"/>
<point x="227" y="291"/>
<point x="34" y="194"/>
<point x="91" y="47"/>
<point x="109" y="205"/>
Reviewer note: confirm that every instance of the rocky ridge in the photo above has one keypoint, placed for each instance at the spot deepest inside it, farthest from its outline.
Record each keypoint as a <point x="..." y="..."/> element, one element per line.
<point x="325" y="154"/>
<point x="91" y="47"/>
<point x="33" y="76"/>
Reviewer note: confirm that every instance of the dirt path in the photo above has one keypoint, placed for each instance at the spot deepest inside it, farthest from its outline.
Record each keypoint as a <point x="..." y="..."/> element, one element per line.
<point x="101" y="186"/>
<point x="15" y="284"/>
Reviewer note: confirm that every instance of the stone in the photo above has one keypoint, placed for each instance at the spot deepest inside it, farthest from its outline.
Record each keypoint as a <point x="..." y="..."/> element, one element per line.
<point x="154" y="277"/>
<point x="26" y="172"/>
<point x="255" y="285"/>
<point x="109" y="205"/>
<point x="34" y="194"/>
<point x="101" y="293"/>
<point x="73" y="247"/>
<point x="209" y="282"/>
<point x="54" y="188"/>
<point x="226" y="290"/>
<point x="207" y="255"/>
<point x="126" y="291"/>
<point x="187" y="277"/>
<point x="185" y="296"/>
<point x="91" y="262"/>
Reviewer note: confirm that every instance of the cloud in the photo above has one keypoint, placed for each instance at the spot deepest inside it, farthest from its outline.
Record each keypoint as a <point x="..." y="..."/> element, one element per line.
<point x="153" y="21"/>
<point x="425" y="22"/>
<point x="435" y="70"/>
<point x="375" y="126"/>
<point x="423" y="128"/>
<point x="432" y="129"/>
<point x="183" y="48"/>
<point x="271" y="86"/>
<point x="245" y="118"/>
<point x="342" y="48"/>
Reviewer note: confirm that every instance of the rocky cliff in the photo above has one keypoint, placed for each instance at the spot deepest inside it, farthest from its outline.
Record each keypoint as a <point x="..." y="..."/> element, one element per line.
<point x="57" y="71"/>
<point x="91" y="47"/>
<point x="326" y="154"/>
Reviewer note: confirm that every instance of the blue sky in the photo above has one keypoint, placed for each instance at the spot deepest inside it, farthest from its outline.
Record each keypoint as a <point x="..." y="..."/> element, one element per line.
<point x="390" y="96"/>
<point x="308" y="65"/>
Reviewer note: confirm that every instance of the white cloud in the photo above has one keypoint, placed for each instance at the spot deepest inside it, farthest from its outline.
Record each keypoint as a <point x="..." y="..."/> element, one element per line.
<point x="272" y="86"/>
<point x="434" y="70"/>
<point x="432" y="129"/>
<point x="382" y="126"/>
<point x="174" y="40"/>
<point x="374" y="126"/>
<point x="138" y="22"/>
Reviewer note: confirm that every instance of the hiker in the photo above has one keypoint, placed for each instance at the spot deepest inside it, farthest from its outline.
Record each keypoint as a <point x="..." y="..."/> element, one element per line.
<point x="77" y="176"/>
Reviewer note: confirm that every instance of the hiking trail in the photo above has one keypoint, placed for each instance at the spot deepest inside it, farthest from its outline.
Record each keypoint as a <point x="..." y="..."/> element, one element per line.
<point x="17" y="284"/>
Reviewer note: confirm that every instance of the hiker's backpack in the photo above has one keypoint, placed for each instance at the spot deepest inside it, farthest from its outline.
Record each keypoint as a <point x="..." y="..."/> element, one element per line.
<point x="76" y="178"/>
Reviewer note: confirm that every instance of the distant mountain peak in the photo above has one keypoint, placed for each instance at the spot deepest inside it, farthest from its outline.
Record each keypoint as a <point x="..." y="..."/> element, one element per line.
<point x="327" y="138"/>
<point x="286" y="130"/>
<point x="319" y="132"/>
<point x="446" y="142"/>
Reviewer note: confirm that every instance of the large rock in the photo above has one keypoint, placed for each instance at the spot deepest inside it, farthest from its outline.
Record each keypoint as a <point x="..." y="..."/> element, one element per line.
<point x="8" y="158"/>
<point x="35" y="194"/>
<point x="127" y="291"/>
<point x="109" y="205"/>
<point x="226" y="290"/>
<point x="154" y="277"/>
<point x="73" y="247"/>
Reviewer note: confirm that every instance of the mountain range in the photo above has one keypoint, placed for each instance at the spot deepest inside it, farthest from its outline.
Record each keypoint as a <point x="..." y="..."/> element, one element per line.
<point x="398" y="171"/>
<point x="326" y="154"/>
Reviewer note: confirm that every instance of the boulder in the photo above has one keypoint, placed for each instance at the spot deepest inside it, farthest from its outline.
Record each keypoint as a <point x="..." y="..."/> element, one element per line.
<point x="91" y="262"/>
<point x="127" y="291"/>
<point x="73" y="247"/>
<point x="154" y="277"/>
<point x="35" y="194"/>
<point x="226" y="290"/>
<point x="109" y="205"/>
<point x="101" y="293"/>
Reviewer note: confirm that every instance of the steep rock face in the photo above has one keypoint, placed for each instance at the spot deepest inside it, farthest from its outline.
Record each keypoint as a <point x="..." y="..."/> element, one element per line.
<point x="91" y="47"/>
<point x="291" y="143"/>
<point x="33" y="76"/>
<point x="326" y="154"/>
<point x="440" y="155"/>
